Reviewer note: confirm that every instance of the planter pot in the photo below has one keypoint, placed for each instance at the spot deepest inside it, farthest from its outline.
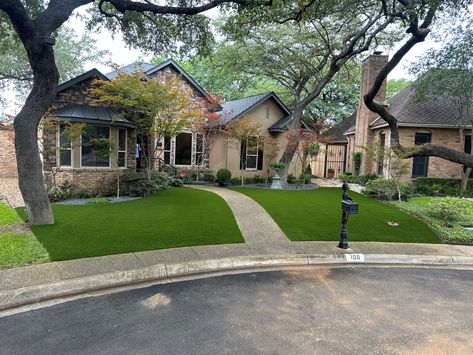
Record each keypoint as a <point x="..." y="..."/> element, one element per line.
<point x="276" y="184"/>
<point x="330" y="174"/>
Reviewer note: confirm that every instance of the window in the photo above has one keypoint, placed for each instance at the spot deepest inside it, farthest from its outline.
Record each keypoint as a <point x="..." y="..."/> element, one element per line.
<point x="65" y="146"/>
<point x="267" y="112"/>
<point x="199" y="148"/>
<point x="382" y="142"/>
<point x="167" y="150"/>
<point x="184" y="149"/>
<point x="121" y="151"/>
<point x="95" y="150"/>
<point x="251" y="154"/>
<point x="420" y="165"/>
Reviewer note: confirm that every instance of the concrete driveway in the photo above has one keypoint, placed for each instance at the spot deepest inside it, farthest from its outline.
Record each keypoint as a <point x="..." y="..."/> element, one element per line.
<point x="338" y="310"/>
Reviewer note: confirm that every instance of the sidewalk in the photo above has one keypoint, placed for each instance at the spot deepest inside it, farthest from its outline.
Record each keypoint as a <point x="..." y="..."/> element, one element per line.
<point x="31" y="284"/>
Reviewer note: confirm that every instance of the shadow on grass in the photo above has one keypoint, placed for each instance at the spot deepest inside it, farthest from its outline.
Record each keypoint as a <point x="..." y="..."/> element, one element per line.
<point x="172" y="218"/>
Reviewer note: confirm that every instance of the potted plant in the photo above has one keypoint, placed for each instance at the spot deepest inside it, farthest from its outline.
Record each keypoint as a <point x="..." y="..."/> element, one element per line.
<point x="223" y="177"/>
<point x="276" y="182"/>
<point x="436" y="188"/>
<point x="330" y="173"/>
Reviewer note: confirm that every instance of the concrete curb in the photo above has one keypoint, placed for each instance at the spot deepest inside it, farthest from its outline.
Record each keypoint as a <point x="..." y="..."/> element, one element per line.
<point x="162" y="273"/>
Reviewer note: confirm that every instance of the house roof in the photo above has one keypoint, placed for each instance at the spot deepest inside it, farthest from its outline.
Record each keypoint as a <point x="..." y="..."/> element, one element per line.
<point x="336" y="132"/>
<point x="87" y="75"/>
<point x="430" y="111"/>
<point x="91" y="114"/>
<point x="231" y="110"/>
<point x="149" y="69"/>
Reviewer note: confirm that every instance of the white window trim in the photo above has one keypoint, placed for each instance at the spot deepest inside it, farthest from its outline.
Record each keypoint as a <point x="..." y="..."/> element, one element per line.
<point x="199" y="152"/>
<point x="58" y="152"/>
<point x="96" y="167"/>
<point x="252" y="155"/>
<point x="118" y="146"/>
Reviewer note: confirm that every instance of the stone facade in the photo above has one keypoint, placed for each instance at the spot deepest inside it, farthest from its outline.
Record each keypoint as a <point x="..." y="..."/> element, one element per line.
<point x="7" y="151"/>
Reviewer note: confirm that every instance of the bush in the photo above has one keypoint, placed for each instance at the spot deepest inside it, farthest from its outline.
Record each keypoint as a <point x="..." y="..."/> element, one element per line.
<point x="305" y="178"/>
<point x="249" y="180"/>
<point x="160" y="180"/>
<point x="356" y="156"/>
<point x="136" y="184"/>
<point x="291" y="179"/>
<point x="257" y="179"/>
<point x="235" y="181"/>
<point x="444" y="182"/>
<point x="384" y="188"/>
<point x="360" y="179"/>
<point x="176" y="182"/>
<point x="61" y="192"/>
<point x="277" y="165"/>
<point x="224" y="175"/>
<point x="208" y="175"/>
<point x="450" y="209"/>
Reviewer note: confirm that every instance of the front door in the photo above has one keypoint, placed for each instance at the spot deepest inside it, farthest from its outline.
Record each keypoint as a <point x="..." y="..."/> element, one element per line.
<point x="183" y="150"/>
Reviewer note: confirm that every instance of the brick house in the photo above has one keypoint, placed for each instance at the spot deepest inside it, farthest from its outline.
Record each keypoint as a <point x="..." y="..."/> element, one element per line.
<point x="69" y="158"/>
<point x="430" y="120"/>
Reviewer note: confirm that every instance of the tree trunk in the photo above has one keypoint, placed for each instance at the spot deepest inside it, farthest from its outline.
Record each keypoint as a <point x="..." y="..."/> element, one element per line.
<point x="465" y="174"/>
<point x="30" y="171"/>
<point x="291" y="148"/>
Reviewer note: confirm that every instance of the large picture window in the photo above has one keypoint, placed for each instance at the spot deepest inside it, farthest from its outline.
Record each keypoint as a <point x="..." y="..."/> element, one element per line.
<point x="121" y="148"/>
<point x="65" y="146"/>
<point x="95" y="150"/>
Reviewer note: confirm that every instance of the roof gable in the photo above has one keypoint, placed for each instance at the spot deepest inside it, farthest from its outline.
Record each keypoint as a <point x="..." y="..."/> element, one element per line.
<point x="87" y="75"/>
<point x="235" y="109"/>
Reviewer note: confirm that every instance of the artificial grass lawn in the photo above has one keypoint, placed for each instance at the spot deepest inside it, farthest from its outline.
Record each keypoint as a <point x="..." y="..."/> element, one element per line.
<point x="316" y="215"/>
<point x="17" y="248"/>
<point x="171" y="218"/>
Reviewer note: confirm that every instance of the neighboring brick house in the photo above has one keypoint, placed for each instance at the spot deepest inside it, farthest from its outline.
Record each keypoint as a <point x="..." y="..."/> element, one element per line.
<point x="66" y="158"/>
<point x="429" y="120"/>
<point x="7" y="151"/>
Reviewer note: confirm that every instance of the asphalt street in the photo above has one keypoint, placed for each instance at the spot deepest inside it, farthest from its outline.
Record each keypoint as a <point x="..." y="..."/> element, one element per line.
<point x="313" y="310"/>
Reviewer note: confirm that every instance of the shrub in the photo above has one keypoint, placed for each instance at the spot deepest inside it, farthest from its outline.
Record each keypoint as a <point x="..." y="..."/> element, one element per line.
<point x="450" y="209"/>
<point x="384" y="188"/>
<point x="208" y="176"/>
<point x="331" y="170"/>
<point x="356" y="156"/>
<point x="61" y="192"/>
<point x="444" y="182"/>
<point x="305" y="178"/>
<point x="136" y="184"/>
<point x="424" y="190"/>
<point x="257" y="179"/>
<point x="224" y="175"/>
<point x="277" y="165"/>
<point x="160" y="180"/>
<point x="249" y="180"/>
<point x="235" y="181"/>
<point x="360" y="179"/>
<point x="291" y="179"/>
<point x="176" y="182"/>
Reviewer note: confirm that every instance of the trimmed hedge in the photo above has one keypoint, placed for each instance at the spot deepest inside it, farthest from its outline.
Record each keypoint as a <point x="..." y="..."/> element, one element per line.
<point x="445" y="182"/>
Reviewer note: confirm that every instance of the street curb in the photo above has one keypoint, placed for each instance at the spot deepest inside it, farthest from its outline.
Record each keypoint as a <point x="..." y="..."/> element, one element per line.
<point x="162" y="273"/>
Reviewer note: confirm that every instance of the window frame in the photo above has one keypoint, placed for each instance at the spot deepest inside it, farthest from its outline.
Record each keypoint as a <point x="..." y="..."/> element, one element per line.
<point x="252" y="155"/>
<point x="425" y="158"/>
<point x="109" y="155"/>
<point x="118" y="147"/>
<point x="197" y="152"/>
<point x="58" y="154"/>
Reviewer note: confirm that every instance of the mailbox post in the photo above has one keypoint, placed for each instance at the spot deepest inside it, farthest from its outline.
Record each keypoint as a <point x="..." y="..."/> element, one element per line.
<point x="348" y="207"/>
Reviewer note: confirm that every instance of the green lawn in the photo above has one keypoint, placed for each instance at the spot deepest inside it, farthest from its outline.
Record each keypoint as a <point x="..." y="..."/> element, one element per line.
<point x="171" y="218"/>
<point x="17" y="248"/>
<point x="316" y="214"/>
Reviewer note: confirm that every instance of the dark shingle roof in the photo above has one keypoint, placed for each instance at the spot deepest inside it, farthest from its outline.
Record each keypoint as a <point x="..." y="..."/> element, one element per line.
<point x="91" y="114"/>
<point x="431" y="111"/>
<point x="149" y="69"/>
<point x="281" y="125"/>
<point x="87" y="75"/>
<point x="232" y="110"/>
<point x="335" y="133"/>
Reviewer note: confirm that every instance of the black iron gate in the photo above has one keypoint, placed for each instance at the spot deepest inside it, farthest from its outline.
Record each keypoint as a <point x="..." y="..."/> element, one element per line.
<point x="335" y="158"/>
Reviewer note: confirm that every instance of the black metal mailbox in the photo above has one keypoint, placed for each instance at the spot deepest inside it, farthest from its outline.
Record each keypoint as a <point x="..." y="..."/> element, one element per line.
<point x="350" y="207"/>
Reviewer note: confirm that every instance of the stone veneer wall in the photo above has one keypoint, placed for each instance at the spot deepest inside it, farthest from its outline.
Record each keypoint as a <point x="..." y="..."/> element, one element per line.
<point x="7" y="151"/>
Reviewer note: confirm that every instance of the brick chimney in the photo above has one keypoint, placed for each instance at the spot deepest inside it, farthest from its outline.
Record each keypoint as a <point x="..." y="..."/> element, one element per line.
<point x="370" y="68"/>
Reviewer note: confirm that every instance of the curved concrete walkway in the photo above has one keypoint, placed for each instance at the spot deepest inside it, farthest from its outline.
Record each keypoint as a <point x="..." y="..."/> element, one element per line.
<point x="258" y="228"/>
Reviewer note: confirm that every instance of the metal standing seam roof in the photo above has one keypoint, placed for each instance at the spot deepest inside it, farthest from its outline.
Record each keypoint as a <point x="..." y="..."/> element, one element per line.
<point x="92" y="114"/>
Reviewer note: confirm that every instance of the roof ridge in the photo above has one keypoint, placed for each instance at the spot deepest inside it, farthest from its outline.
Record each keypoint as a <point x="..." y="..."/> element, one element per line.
<point x="247" y="97"/>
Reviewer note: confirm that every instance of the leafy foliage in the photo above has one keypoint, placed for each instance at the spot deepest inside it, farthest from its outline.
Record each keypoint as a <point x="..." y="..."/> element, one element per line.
<point x="224" y="175"/>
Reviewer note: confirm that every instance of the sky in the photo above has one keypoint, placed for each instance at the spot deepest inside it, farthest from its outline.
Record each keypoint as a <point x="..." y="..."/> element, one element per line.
<point x="121" y="55"/>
